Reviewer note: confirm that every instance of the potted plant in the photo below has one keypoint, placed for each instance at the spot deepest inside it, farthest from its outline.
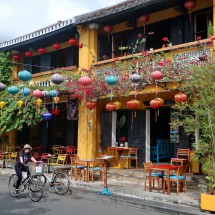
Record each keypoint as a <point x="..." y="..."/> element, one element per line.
<point x="197" y="116"/>
<point x="122" y="141"/>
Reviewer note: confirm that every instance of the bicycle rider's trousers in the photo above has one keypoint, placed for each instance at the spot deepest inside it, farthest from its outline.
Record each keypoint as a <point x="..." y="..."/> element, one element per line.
<point x="19" y="171"/>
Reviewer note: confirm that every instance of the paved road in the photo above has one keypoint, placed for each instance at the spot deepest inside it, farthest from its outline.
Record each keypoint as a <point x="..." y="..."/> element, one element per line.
<point x="73" y="203"/>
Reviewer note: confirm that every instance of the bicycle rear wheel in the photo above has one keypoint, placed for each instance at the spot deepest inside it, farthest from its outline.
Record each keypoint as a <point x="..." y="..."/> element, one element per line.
<point x="35" y="189"/>
<point x="61" y="183"/>
<point x="12" y="185"/>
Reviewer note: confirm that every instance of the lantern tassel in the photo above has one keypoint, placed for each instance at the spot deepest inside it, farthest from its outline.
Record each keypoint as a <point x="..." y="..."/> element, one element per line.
<point x="190" y="16"/>
<point x="111" y="94"/>
<point x="52" y="105"/>
<point x="156" y="116"/>
<point x="47" y="124"/>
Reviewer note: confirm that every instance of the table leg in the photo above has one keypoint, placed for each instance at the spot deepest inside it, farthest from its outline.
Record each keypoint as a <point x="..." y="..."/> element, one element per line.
<point x="168" y="182"/>
<point x="105" y="191"/>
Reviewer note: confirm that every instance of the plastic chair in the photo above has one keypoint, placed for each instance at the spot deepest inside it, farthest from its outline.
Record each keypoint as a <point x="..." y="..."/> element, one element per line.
<point x="60" y="160"/>
<point x="155" y="176"/>
<point x="179" y="178"/>
<point x="183" y="157"/>
<point x="10" y="158"/>
<point x="55" y="149"/>
<point x="132" y="155"/>
<point x="70" y="150"/>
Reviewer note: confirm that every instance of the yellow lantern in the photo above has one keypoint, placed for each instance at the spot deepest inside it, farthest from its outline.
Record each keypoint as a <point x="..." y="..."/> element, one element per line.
<point x="118" y="105"/>
<point x="56" y="100"/>
<point x="20" y="103"/>
<point x="2" y="105"/>
<point x="161" y="100"/>
<point x="39" y="102"/>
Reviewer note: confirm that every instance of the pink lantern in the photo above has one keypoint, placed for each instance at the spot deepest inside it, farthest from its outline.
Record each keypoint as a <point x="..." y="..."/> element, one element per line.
<point x="28" y="54"/>
<point x="108" y="29"/>
<point x="189" y="5"/>
<point x="144" y="18"/>
<point x="37" y="93"/>
<point x="84" y="80"/>
<point x="16" y="57"/>
<point x="157" y="75"/>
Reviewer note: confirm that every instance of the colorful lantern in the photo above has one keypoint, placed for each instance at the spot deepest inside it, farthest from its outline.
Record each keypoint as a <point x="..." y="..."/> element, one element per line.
<point x="133" y="104"/>
<point x="55" y="112"/>
<point x="16" y="57"/>
<point x="157" y="75"/>
<point x="20" y="103"/>
<point x="144" y="18"/>
<point x="13" y="90"/>
<point x="28" y="54"/>
<point x="108" y="29"/>
<point x="189" y="5"/>
<point x="25" y="91"/>
<point x="118" y="105"/>
<point x="57" y="79"/>
<point x="2" y="105"/>
<point x="161" y="100"/>
<point x="2" y="87"/>
<point x="91" y="105"/>
<point x="155" y="103"/>
<point x="56" y="46"/>
<point x="25" y="75"/>
<point x="135" y="78"/>
<point x="41" y="50"/>
<point x="47" y="116"/>
<point x="111" y="80"/>
<point x="39" y="102"/>
<point x="180" y="97"/>
<point x="37" y="93"/>
<point x="85" y="80"/>
<point x="53" y="93"/>
<point x="110" y="106"/>
<point x="73" y="41"/>
<point x="45" y="93"/>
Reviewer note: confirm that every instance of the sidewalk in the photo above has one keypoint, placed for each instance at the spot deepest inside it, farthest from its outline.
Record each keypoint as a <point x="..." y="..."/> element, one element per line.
<point x="133" y="193"/>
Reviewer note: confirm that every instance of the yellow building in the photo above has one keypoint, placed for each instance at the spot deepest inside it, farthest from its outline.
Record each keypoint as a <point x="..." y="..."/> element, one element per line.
<point x="170" y="27"/>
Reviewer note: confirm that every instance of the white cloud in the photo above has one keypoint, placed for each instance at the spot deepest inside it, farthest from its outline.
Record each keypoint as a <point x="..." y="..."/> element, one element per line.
<point x="21" y="17"/>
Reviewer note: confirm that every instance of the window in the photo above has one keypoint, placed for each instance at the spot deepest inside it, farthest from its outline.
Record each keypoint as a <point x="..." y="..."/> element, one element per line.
<point x="120" y="40"/>
<point x="201" y="23"/>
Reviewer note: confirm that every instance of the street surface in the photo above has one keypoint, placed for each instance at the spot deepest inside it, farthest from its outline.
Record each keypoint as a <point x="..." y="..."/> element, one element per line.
<point x="73" y="203"/>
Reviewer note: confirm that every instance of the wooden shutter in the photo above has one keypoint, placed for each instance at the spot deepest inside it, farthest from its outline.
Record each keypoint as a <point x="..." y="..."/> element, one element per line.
<point x="188" y="28"/>
<point x="106" y="129"/>
<point x="177" y="30"/>
<point x="104" y="46"/>
<point x="45" y="62"/>
<point x="28" y="62"/>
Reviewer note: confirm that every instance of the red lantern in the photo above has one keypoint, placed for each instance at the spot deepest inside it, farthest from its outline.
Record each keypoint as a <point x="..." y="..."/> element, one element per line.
<point x="110" y="106"/>
<point x="28" y="54"/>
<point x="180" y="97"/>
<point x="133" y="104"/>
<point x="144" y="19"/>
<point x="189" y="5"/>
<point x="55" y="112"/>
<point x="155" y="103"/>
<point x="56" y="46"/>
<point x="73" y="41"/>
<point x="108" y="29"/>
<point x="41" y="50"/>
<point x="85" y="80"/>
<point x="16" y="57"/>
<point x="37" y="93"/>
<point x="91" y="105"/>
<point x="157" y="75"/>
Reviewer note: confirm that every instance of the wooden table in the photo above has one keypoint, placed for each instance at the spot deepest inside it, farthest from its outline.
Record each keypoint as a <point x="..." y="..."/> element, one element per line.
<point x="105" y="190"/>
<point x="120" y="150"/>
<point x="161" y="167"/>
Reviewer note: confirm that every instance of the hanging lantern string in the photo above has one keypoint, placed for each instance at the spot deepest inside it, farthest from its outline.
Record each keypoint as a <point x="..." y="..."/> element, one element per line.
<point x="24" y="64"/>
<point x="156" y="88"/>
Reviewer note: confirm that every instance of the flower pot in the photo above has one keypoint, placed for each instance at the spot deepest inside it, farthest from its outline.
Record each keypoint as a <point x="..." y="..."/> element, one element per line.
<point x="207" y="202"/>
<point x="121" y="144"/>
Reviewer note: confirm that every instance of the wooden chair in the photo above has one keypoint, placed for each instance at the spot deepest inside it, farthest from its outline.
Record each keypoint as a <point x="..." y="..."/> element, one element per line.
<point x="95" y="168"/>
<point x="73" y="158"/>
<point x="70" y="150"/>
<point x="112" y="151"/>
<point x="132" y="155"/>
<point x="79" y="169"/>
<point x="155" y="176"/>
<point x="183" y="157"/>
<point x="179" y="178"/>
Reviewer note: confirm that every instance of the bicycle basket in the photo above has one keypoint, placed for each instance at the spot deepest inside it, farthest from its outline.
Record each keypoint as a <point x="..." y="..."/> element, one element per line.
<point x="36" y="169"/>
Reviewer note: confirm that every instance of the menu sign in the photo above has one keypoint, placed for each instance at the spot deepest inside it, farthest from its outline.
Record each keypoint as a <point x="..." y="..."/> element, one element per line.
<point x="174" y="130"/>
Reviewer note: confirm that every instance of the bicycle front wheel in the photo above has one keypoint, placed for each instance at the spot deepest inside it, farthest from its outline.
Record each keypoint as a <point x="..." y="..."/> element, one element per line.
<point x="12" y="185"/>
<point x="36" y="189"/>
<point x="42" y="178"/>
<point x="61" y="183"/>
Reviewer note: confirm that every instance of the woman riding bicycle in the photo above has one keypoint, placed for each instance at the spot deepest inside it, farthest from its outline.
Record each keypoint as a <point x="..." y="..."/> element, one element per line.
<point x="21" y="164"/>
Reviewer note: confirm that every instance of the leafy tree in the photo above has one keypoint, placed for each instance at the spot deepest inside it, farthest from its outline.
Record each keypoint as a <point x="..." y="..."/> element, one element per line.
<point x="5" y="68"/>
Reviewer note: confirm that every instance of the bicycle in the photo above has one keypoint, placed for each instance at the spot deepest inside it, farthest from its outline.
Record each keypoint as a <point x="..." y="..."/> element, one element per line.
<point x="59" y="180"/>
<point x="32" y="183"/>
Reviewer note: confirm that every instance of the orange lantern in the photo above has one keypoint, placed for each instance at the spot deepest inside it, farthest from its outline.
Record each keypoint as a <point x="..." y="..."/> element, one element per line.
<point x="110" y="106"/>
<point x="180" y="97"/>
<point x="133" y="104"/>
<point x="155" y="103"/>
<point x="91" y="105"/>
<point x="2" y="105"/>
<point x="118" y="105"/>
<point x="161" y="100"/>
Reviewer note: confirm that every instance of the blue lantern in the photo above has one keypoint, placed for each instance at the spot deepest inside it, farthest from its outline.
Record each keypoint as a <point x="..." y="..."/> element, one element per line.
<point x="53" y="93"/>
<point x="13" y="90"/>
<point x="25" y="91"/>
<point x="24" y="75"/>
<point x="47" y="116"/>
<point x="111" y="80"/>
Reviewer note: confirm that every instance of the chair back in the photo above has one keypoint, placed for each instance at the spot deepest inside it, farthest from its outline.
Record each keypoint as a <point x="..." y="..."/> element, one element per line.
<point x="111" y="151"/>
<point x="182" y="170"/>
<point x="146" y="166"/>
<point x="61" y="159"/>
<point x="133" y="151"/>
<point x="10" y="149"/>
<point x="70" y="150"/>
<point x="44" y="156"/>
<point x="73" y="157"/>
<point x="183" y="153"/>
<point x="13" y="155"/>
<point x="56" y="149"/>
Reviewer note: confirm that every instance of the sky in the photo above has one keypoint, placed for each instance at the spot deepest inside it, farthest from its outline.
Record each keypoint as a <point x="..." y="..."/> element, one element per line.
<point x="20" y="17"/>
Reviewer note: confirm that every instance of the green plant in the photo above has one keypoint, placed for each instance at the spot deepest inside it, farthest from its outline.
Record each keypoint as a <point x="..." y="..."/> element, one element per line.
<point x="210" y="29"/>
<point x="197" y="116"/>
